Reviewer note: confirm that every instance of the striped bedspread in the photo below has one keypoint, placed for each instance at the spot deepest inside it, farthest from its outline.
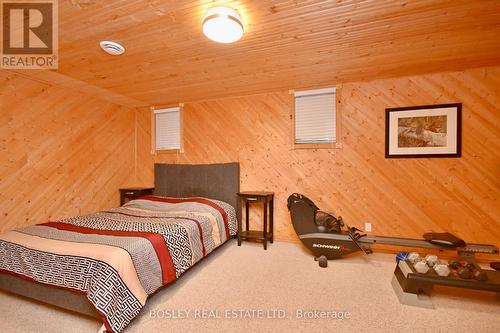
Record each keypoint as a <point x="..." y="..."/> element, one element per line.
<point x="119" y="257"/>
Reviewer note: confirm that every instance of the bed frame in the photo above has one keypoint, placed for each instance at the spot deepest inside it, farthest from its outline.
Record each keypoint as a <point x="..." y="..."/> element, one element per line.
<point x="215" y="181"/>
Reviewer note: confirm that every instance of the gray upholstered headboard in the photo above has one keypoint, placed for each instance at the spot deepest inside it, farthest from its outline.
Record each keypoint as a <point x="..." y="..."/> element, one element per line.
<point x="215" y="181"/>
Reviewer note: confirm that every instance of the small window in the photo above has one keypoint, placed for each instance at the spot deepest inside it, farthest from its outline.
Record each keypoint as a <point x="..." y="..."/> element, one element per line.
<point x="168" y="129"/>
<point x="315" y="117"/>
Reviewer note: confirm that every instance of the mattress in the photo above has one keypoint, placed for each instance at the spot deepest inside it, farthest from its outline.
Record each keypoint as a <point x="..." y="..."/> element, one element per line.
<point x="119" y="257"/>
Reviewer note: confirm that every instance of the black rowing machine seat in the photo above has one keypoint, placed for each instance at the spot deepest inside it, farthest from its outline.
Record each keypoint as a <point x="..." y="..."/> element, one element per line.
<point x="444" y="239"/>
<point x="323" y="221"/>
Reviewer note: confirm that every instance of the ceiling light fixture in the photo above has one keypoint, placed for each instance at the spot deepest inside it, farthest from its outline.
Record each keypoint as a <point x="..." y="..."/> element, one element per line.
<point x="222" y="25"/>
<point x="112" y="48"/>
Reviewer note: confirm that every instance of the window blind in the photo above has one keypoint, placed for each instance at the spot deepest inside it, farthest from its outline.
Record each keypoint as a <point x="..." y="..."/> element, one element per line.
<point x="168" y="128"/>
<point x="315" y="120"/>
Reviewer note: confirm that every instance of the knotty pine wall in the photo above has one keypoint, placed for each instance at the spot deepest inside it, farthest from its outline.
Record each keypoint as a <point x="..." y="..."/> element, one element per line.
<point x="400" y="197"/>
<point x="62" y="153"/>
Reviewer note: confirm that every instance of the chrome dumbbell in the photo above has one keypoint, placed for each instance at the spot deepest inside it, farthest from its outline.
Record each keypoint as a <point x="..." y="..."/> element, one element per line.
<point x="431" y="260"/>
<point x="421" y="267"/>
<point x="441" y="269"/>
<point x="413" y="257"/>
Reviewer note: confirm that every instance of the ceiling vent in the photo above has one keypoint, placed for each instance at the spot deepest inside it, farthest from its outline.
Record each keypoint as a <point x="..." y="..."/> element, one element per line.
<point x="112" y="48"/>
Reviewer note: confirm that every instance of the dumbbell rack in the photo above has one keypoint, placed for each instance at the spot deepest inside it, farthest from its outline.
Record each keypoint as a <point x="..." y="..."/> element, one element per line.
<point x="413" y="288"/>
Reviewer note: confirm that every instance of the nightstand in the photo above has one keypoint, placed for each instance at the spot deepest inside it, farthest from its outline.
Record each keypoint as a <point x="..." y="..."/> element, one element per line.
<point x="268" y="200"/>
<point x="131" y="193"/>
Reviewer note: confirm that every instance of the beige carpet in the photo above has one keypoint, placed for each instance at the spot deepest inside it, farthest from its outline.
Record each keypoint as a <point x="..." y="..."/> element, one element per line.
<point x="247" y="281"/>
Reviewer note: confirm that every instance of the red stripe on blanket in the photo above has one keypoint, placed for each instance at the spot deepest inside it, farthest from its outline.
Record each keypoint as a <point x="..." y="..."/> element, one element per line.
<point x="198" y="200"/>
<point x="167" y="217"/>
<point x="157" y="240"/>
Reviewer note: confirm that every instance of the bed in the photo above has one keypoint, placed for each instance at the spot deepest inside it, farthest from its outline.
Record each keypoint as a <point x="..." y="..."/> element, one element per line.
<point x="108" y="263"/>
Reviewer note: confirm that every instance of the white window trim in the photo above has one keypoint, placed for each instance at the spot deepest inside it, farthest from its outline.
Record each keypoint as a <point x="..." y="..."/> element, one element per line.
<point x="337" y="90"/>
<point x="313" y="92"/>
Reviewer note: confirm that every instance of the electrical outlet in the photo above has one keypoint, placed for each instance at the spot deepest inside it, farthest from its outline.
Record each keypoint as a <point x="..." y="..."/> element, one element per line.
<point x="368" y="227"/>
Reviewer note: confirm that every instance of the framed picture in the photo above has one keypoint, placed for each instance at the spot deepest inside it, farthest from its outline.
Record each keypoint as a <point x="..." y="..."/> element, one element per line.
<point x="423" y="131"/>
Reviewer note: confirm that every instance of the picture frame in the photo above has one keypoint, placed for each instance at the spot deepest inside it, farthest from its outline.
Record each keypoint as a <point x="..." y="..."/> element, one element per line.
<point x="424" y="131"/>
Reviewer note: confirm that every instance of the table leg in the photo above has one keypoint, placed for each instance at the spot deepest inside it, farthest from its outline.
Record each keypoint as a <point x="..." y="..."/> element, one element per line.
<point x="247" y="209"/>
<point x="271" y="219"/>
<point x="265" y="225"/>
<point x="239" y="231"/>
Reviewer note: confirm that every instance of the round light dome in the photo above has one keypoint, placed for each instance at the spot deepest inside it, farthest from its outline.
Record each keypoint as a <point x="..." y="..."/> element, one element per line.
<point x="222" y="25"/>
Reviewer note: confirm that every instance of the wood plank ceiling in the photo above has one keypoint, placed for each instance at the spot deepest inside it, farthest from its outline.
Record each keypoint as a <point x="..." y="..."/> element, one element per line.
<point x="287" y="45"/>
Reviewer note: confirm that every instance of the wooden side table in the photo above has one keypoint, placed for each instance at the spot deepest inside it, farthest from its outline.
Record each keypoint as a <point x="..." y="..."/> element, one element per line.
<point x="268" y="199"/>
<point x="131" y="193"/>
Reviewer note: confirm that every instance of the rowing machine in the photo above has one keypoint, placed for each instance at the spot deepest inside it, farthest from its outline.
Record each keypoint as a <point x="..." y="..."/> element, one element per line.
<point x="327" y="236"/>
